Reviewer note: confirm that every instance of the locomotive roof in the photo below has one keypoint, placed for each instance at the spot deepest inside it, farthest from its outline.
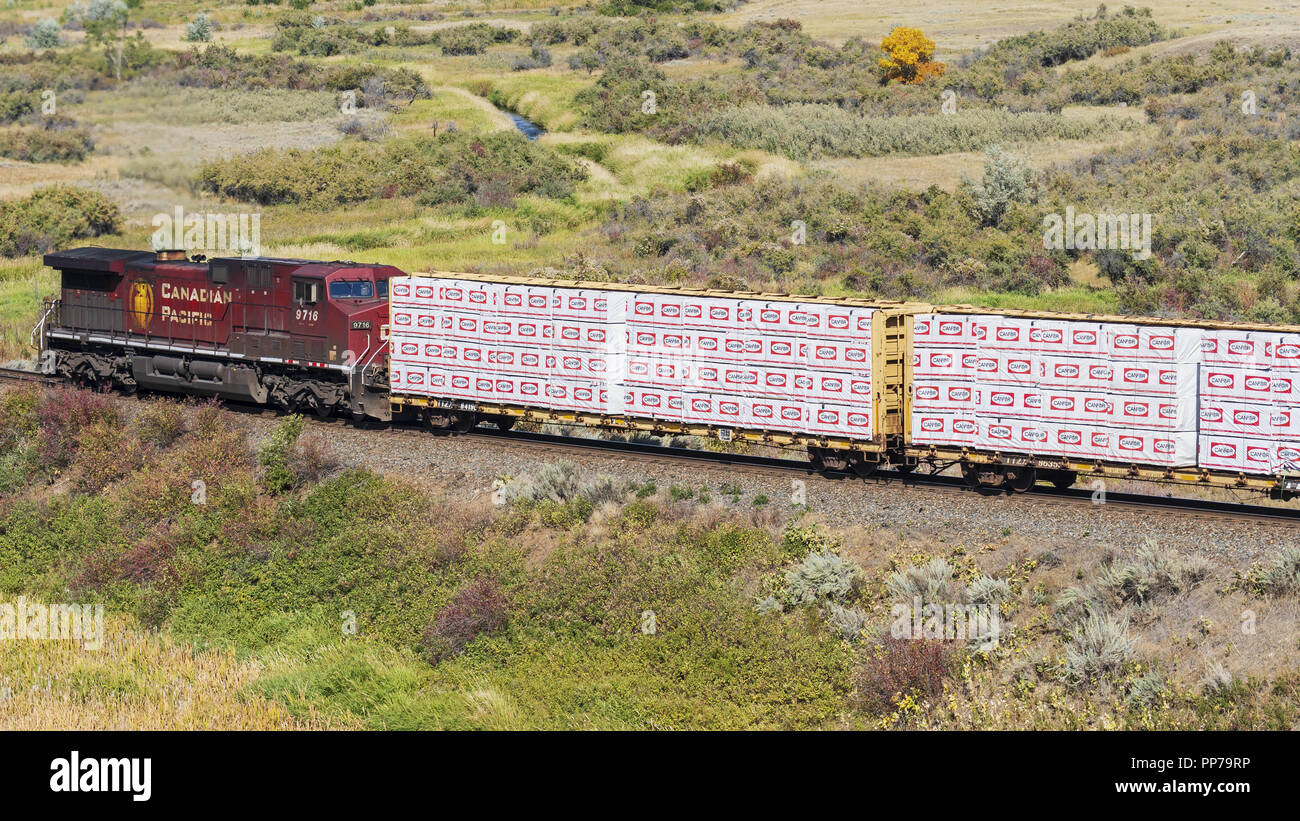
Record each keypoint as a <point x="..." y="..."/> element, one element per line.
<point x="94" y="258"/>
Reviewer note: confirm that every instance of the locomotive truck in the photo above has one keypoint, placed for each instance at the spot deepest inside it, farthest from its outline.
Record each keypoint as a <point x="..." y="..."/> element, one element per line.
<point x="1011" y="398"/>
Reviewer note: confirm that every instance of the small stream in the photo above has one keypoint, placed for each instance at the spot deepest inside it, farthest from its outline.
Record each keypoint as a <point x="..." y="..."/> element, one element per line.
<point x="530" y="129"/>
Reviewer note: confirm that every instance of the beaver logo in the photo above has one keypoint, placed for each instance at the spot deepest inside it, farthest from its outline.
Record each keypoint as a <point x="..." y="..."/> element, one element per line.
<point x="141" y="305"/>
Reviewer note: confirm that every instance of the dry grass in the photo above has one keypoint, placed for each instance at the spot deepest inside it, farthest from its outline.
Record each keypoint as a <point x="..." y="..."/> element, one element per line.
<point x="948" y="170"/>
<point x="961" y="25"/>
<point x="137" y="681"/>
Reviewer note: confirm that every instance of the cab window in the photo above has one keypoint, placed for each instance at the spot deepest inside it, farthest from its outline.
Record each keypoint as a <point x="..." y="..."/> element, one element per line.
<point x="306" y="291"/>
<point x="352" y="289"/>
<point x="381" y="288"/>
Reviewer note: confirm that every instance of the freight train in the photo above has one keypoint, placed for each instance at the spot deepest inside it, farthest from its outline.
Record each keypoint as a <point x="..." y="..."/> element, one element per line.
<point x="1010" y="397"/>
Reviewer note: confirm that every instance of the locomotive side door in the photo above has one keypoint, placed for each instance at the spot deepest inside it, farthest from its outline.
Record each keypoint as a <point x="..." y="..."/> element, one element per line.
<point x="307" y="319"/>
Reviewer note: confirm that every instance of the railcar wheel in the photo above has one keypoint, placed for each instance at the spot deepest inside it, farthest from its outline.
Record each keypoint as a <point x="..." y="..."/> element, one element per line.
<point x="863" y="467"/>
<point x="815" y="459"/>
<point x="505" y="422"/>
<point x="463" y="422"/>
<point x="904" y="468"/>
<point x="834" y="460"/>
<point x="1064" y="479"/>
<point x="1019" y="479"/>
<point x="970" y="474"/>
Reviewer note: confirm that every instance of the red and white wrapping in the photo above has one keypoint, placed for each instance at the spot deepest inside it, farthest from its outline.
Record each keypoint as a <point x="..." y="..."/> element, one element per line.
<point x="1076" y="389"/>
<point x="788" y="366"/>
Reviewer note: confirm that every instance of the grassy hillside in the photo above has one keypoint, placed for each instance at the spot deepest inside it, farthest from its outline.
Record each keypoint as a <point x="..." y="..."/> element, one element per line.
<point x="262" y="584"/>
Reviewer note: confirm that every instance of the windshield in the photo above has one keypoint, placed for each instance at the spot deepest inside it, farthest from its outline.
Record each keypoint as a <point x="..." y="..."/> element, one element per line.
<point x="352" y="289"/>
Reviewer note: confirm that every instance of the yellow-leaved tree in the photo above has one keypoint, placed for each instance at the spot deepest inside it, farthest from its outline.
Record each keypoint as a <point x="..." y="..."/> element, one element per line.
<point x="907" y="57"/>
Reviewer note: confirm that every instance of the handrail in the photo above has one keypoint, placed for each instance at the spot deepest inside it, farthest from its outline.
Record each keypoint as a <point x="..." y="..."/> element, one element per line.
<point x="38" y="332"/>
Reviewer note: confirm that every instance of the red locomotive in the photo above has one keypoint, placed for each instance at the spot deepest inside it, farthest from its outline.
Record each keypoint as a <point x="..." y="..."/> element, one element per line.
<point x="295" y="334"/>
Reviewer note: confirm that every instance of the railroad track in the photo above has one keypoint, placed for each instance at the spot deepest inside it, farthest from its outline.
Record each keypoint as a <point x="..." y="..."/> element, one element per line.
<point x="769" y="465"/>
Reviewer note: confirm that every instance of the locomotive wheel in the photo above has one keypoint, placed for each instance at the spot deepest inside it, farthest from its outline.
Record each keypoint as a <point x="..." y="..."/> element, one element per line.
<point x="1020" y="479"/>
<point x="85" y="377"/>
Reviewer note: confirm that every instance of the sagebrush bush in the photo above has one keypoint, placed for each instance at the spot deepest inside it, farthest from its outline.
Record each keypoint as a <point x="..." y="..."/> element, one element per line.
<point x="821" y="576"/>
<point x="1098" y="646"/>
<point x="44" y="34"/>
<point x="1217" y="681"/>
<point x="551" y="481"/>
<point x="931" y="582"/>
<point x="603" y="488"/>
<point x="476" y="609"/>
<point x="850" y="623"/>
<point x="199" y="30"/>
<point x="1155" y="571"/>
<point x="1147" y="690"/>
<point x="1008" y="179"/>
<point x="1281" y="577"/>
<point x="988" y="590"/>
<point x="897" y="668"/>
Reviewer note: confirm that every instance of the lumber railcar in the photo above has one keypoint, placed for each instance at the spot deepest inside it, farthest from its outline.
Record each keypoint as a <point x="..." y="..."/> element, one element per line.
<point x="825" y="374"/>
<point x="1018" y="396"/>
<point x="295" y="334"/>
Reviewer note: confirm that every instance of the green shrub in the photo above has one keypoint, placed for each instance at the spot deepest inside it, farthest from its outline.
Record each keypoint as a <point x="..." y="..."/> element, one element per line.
<point x="44" y="34"/>
<point x="810" y="131"/>
<point x="52" y="217"/>
<point x="490" y="170"/>
<point x="55" y="140"/>
<point x="1007" y="179"/>
<point x="160" y="422"/>
<point x="199" y="30"/>
<point x="274" y="455"/>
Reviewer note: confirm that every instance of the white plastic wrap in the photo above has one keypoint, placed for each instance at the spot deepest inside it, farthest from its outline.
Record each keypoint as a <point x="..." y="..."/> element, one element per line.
<point x="752" y="363"/>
